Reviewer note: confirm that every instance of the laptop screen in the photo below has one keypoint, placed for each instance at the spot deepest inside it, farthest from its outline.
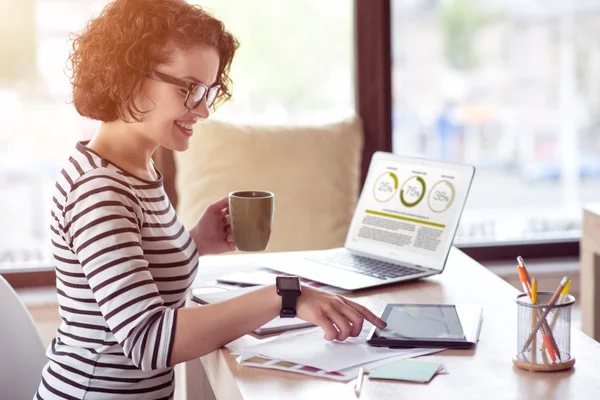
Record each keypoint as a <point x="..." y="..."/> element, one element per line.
<point x="409" y="209"/>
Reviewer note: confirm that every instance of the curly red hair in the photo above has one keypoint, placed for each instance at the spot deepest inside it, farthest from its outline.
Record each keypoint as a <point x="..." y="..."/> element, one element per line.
<point x="117" y="51"/>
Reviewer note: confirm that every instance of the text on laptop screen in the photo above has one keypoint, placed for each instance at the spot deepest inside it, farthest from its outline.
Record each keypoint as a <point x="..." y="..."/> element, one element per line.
<point x="409" y="210"/>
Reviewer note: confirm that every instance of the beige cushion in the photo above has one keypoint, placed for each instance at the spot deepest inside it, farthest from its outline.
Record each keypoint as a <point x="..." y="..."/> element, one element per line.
<point x="313" y="171"/>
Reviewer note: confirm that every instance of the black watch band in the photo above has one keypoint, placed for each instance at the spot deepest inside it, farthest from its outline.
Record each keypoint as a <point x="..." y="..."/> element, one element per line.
<point x="288" y="287"/>
<point x="288" y="304"/>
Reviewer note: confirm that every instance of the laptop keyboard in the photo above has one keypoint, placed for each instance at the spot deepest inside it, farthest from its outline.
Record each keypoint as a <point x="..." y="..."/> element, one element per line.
<point x="366" y="266"/>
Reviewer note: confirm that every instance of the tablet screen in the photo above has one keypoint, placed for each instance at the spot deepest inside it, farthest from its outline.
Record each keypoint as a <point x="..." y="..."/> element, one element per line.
<point x="422" y="322"/>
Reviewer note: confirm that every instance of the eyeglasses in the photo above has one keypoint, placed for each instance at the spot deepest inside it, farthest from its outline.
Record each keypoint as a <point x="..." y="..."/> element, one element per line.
<point x="196" y="92"/>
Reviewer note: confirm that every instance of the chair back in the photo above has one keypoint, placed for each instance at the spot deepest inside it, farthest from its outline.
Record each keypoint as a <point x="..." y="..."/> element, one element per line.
<point x="22" y="353"/>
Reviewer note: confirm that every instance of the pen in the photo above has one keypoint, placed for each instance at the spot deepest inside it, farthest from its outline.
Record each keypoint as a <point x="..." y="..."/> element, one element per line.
<point x="522" y="264"/>
<point x="359" y="381"/>
<point x="548" y="345"/>
<point x="552" y="301"/>
<point x="524" y="282"/>
<point x="521" y="267"/>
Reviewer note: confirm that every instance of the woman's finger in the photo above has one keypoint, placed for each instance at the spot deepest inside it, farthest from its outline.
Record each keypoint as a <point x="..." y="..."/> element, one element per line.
<point x="341" y="323"/>
<point x="330" y="330"/>
<point x="220" y="204"/>
<point x="355" y="318"/>
<point x="366" y="313"/>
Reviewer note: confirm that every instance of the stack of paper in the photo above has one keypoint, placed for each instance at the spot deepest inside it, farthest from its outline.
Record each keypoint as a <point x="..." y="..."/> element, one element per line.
<point x="307" y="352"/>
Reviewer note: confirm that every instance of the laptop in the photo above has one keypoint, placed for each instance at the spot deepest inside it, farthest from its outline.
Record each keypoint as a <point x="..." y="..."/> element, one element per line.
<point x="402" y="229"/>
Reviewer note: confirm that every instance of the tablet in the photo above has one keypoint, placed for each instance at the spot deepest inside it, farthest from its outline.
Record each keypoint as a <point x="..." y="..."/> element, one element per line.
<point x="428" y="325"/>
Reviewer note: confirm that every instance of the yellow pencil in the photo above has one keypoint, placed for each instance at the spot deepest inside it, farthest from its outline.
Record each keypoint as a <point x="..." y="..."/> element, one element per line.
<point x="561" y="299"/>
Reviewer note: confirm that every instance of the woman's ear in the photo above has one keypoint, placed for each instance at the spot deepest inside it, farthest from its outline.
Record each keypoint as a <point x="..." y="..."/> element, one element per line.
<point x="134" y="109"/>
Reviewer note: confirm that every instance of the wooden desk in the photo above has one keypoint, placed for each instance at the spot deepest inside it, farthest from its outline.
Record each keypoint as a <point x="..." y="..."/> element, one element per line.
<point x="590" y="271"/>
<point x="486" y="372"/>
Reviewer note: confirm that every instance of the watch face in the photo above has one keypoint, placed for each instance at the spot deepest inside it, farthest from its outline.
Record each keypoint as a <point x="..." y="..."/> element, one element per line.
<point x="288" y="283"/>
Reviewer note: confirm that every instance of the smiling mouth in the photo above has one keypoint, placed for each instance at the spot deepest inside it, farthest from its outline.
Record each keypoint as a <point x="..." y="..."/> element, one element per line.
<point x="185" y="125"/>
<point x="186" y="131"/>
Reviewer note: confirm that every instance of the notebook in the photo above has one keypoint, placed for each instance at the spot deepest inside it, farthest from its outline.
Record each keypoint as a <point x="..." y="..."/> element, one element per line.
<point x="211" y="295"/>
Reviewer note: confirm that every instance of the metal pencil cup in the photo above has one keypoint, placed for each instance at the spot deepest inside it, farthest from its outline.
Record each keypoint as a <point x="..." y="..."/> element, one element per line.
<point x="549" y="349"/>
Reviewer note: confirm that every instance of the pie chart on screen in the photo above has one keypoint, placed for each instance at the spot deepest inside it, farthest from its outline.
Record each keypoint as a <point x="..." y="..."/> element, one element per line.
<point x="385" y="187"/>
<point x="441" y="196"/>
<point x="412" y="191"/>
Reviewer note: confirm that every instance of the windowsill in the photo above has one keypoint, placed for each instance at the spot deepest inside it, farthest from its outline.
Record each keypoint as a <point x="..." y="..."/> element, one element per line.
<point x="38" y="297"/>
<point x="20" y="267"/>
<point x="520" y="242"/>
<point x="533" y="249"/>
<point x="29" y="275"/>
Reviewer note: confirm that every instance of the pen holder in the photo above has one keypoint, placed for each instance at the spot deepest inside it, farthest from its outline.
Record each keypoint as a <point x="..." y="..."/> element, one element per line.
<point x="549" y="349"/>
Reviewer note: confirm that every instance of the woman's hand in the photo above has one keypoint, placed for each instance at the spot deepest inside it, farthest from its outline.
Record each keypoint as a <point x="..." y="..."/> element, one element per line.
<point x="212" y="233"/>
<point x="338" y="316"/>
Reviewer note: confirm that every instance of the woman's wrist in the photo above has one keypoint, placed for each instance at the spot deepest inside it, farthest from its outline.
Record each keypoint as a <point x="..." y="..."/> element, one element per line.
<point x="274" y="300"/>
<point x="197" y="241"/>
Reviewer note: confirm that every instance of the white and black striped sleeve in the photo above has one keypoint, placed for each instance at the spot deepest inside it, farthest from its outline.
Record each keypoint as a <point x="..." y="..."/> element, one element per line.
<point x="103" y="220"/>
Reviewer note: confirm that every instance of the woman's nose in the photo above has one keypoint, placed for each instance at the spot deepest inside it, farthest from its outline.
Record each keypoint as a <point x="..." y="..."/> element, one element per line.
<point x="202" y="110"/>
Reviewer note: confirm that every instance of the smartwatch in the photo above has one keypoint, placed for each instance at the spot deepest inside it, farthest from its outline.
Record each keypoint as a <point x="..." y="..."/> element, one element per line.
<point x="288" y="287"/>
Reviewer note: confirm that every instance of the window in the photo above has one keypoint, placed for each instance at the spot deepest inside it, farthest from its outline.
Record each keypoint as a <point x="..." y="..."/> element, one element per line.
<point x="295" y="66"/>
<point x="512" y="87"/>
<point x="38" y="125"/>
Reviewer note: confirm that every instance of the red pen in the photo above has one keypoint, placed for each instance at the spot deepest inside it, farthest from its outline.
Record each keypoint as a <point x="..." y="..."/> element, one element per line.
<point x="524" y="281"/>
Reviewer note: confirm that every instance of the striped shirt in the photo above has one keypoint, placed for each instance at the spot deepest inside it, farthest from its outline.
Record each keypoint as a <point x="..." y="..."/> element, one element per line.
<point x="124" y="263"/>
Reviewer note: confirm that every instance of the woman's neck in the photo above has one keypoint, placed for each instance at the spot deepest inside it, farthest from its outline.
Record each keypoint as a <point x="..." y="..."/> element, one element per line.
<point x="120" y="143"/>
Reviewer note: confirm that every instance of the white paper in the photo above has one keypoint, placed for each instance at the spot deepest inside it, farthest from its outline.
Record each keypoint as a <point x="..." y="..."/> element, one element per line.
<point x="246" y="341"/>
<point x="343" y="375"/>
<point x="309" y="348"/>
<point x="290" y="367"/>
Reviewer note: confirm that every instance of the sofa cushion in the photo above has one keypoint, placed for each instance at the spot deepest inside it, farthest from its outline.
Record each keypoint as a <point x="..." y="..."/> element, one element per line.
<point x="314" y="172"/>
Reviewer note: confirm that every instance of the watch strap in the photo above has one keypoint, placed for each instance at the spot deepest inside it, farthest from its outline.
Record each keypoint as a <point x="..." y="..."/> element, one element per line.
<point x="289" y="299"/>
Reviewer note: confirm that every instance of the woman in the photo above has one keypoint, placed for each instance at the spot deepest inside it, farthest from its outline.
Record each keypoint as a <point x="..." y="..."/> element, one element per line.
<point x="149" y="70"/>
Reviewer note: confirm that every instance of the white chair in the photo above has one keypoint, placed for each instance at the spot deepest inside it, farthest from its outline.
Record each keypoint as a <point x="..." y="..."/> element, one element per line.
<point x="22" y="353"/>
